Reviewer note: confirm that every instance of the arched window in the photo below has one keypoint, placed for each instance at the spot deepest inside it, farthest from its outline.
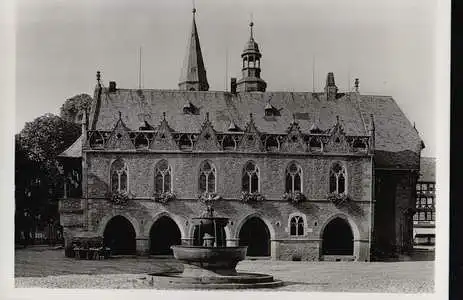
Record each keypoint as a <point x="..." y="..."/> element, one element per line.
<point x="338" y="180"/>
<point x="119" y="176"/>
<point x="293" y="178"/>
<point x="250" y="180"/>
<point x="297" y="225"/>
<point x="163" y="177"/>
<point x="207" y="175"/>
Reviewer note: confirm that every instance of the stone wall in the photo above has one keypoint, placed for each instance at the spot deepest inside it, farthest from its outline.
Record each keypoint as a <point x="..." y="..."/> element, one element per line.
<point x="317" y="212"/>
<point x="185" y="170"/>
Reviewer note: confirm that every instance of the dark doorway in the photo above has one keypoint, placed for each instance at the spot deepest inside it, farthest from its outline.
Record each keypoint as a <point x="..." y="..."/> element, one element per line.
<point x="163" y="234"/>
<point x="119" y="235"/>
<point x="338" y="238"/>
<point x="256" y="236"/>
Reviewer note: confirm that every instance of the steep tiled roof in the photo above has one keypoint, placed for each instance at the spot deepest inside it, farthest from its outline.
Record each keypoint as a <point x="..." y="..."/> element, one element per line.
<point x="397" y="143"/>
<point x="427" y="169"/>
<point x="74" y="151"/>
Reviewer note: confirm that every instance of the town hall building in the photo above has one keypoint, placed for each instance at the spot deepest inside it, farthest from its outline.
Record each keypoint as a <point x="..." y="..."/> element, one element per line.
<point x="325" y="175"/>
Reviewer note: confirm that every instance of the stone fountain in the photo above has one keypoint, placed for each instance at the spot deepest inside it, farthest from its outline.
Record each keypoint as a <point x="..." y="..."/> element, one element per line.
<point x="211" y="265"/>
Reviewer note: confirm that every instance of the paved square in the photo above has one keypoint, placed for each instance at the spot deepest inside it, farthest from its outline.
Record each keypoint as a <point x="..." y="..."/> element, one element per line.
<point x="37" y="267"/>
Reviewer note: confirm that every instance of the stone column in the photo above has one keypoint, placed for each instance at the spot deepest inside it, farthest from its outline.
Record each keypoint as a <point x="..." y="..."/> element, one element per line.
<point x="274" y="249"/>
<point x="142" y="246"/>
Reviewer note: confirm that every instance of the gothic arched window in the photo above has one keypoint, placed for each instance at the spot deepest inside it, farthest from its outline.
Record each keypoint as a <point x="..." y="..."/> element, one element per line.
<point x="297" y="225"/>
<point x="207" y="176"/>
<point x="250" y="179"/>
<point x="338" y="182"/>
<point x="163" y="177"/>
<point x="293" y="178"/>
<point x="119" y="176"/>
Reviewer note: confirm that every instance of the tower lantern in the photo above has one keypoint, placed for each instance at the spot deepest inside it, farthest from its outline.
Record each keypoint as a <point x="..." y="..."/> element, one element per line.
<point x="250" y="70"/>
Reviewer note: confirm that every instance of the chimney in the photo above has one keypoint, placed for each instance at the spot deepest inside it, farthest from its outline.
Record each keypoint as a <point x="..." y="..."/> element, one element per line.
<point x="233" y="85"/>
<point x="330" y="88"/>
<point x="112" y="86"/>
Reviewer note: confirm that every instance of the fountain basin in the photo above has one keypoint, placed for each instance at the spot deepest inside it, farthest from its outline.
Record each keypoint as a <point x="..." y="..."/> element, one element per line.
<point x="203" y="261"/>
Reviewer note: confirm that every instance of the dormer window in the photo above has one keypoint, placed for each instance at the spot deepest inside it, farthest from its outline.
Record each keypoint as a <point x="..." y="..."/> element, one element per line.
<point x="271" y="111"/>
<point x="190" y="109"/>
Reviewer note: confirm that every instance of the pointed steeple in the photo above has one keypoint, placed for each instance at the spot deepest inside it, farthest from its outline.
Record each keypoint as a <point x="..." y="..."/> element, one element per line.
<point x="193" y="77"/>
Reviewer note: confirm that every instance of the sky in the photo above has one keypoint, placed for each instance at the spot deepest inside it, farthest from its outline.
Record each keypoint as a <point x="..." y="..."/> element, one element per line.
<point x="389" y="45"/>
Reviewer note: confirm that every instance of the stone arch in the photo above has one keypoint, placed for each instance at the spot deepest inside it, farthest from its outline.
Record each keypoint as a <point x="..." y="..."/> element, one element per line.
<point x="120" y="235"/>
<point x="104" y="221"/>
<point x="175" y="218"/>
<point x="353" y="228"/>
<point x="349" y="220"/>
<point x="262" y="236"/>
<point x="163" y="233"/>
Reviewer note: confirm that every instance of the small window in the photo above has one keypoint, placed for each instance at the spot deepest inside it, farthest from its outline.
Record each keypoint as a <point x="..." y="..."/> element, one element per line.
<point x="228" y="143"/>
<point x="250" y="179"/>
<point x="338" y="179"/>
<point x="185" y="142"/>
<point x="297" y="226"/>
<point x="141" y="141"/>
<point x="163" y="177"/>
<point x="119" y="176"/>
<point x="207" y="177"/>
<point x="315" y="144"/>
<point x="271" y="144"/>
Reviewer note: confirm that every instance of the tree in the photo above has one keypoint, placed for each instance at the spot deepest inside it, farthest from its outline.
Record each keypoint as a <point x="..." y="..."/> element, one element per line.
<point x="38" y="180"/>
<point x="72" y="108"/>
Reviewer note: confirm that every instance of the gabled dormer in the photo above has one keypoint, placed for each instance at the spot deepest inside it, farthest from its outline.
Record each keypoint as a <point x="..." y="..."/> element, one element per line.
<point x="207" y="139"/>
<point x="164" y="139"/>
<point x="294" y="140"/>
<point x="120" y="138"/>
<point x="251" y="139"/>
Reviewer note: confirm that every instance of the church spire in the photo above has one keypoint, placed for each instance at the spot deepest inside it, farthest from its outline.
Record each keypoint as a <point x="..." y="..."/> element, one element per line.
<point x="193" y="77"/>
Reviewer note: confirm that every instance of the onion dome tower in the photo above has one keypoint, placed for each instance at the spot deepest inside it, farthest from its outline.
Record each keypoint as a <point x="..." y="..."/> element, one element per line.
<point x="251" y="81"/>
<point x="193" y="76"/>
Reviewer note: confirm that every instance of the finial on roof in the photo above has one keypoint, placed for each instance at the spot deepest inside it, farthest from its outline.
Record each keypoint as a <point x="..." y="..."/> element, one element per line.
<point x="207" y="116"/>
<point x="98" y="76"/>
<point x="194" y="7"/>
<point x="251" y="24"/>
<point x="294" y="118"/>
<point x="251" y="118"/>
<point x="337" y="119"/>
<point x="357" y="84"/>
<point x="164" y="116"/>
<point x="120" y="115"/>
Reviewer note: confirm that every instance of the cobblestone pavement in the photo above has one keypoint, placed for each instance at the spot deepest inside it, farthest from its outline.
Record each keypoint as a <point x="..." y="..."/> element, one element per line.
<point x="49" y="268"/>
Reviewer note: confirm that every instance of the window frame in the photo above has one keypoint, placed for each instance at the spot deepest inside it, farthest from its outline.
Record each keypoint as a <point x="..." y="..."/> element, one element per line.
<point x="293" y="175"/>
<point x="213" y="171"/>
<point x="256" y="171"/>
<point x="119" y="172"/>
<point x="163" y="173"/>
<point x="343" y="171"/>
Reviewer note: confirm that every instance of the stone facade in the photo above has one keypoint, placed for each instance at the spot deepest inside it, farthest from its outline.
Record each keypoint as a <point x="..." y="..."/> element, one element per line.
<point x="142" y="211"/>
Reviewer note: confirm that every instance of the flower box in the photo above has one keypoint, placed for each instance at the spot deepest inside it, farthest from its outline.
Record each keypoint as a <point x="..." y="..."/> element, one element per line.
<point x="251" y="197"/>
